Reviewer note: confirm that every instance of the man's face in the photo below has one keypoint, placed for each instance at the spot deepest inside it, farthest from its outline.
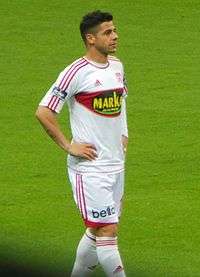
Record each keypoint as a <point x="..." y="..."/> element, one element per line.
<point x="105" y="38"/>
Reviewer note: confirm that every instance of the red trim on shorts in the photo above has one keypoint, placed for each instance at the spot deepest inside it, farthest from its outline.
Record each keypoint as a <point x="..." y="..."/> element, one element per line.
<point x="77" y="192"/>
<point x="80" y="199"/>
<point x="83" y="196"/>
<point x="92" y="224"/>
<point x="80" y="196"/>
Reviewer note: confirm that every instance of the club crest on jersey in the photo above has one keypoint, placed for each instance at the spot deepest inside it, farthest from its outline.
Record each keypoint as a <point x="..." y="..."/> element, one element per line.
<point x="119" y="77"/>
<point x="59" y="93"/>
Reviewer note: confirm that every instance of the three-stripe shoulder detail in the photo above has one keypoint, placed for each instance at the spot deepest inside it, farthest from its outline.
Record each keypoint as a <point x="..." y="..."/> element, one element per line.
<point x="70" y="73"/>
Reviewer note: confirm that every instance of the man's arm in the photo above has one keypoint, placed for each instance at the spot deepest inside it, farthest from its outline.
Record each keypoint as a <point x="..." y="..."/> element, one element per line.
<point x="124" y="126"/>
<point x="48" y="120"/>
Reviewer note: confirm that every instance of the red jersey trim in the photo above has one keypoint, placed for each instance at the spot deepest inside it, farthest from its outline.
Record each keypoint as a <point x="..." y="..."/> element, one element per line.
<point x="105" y="103"/>
<point x="72" y="74"/>
<point x="53" y="103"/>
<point x="93" y="224"/>
<point x="80" y="61"/>
<point x="98" y="91"/>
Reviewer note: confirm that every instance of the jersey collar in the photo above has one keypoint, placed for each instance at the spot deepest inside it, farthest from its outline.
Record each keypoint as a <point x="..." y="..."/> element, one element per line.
<point x="98" y="65"/>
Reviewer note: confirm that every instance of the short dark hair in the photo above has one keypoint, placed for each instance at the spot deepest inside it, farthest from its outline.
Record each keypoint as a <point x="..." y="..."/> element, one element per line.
<point x="93" y="19"/>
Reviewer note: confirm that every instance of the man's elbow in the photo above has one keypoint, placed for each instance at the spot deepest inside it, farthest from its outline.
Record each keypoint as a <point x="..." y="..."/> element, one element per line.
<point x="40" y="112"/>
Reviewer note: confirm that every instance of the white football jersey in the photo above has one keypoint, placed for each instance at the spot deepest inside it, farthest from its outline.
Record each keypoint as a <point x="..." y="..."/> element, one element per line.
<point x="95" y="96"/>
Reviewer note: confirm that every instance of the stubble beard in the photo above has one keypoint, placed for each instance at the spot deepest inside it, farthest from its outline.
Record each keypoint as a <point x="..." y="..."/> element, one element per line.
<point x="105" y="52"/>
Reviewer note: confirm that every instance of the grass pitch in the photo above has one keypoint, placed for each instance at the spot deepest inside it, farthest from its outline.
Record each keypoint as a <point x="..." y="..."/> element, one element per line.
<point x="159" y="45"/>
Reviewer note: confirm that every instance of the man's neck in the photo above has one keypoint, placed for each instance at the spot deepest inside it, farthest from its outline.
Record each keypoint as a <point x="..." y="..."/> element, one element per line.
<point x="96" y="57"/>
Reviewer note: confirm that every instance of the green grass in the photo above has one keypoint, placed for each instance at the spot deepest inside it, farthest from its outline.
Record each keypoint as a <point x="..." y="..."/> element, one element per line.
<point x="159" y="45"/>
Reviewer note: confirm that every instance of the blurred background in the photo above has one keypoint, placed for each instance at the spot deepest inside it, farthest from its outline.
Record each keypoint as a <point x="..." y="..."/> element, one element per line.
<point x="39" y="224"/>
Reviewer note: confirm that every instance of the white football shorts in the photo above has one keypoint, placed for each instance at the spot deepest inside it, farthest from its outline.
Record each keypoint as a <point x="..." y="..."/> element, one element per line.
<point x="98" y="196"/>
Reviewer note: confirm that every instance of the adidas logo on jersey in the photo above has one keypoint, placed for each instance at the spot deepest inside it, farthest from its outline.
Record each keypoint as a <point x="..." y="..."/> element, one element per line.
<point x="97" y="83"/>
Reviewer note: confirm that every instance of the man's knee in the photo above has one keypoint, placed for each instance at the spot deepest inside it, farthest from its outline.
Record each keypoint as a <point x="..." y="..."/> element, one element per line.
<point x="109" y="230"/>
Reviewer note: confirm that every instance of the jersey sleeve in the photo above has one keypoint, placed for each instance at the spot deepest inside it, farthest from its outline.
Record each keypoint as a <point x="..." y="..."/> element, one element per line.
<point x="123" y="111"/>
<point x="63" y="88"/>
<point x="124" y="118"/>
<point x="125" y="92"/>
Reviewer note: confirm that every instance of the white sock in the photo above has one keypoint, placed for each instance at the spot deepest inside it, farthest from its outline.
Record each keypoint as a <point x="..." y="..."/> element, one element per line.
<point x="86" y="256"/>
<point x="109" y="257"/>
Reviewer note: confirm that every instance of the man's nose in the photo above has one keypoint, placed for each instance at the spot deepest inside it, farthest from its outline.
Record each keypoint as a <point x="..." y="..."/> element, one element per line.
<point x="115" y="36"/>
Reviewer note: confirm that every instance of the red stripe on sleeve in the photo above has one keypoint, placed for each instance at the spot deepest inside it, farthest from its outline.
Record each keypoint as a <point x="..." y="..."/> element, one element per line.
<point x="51" y="100"/>
<point x="68" y="72"/>
<point x="72" y="74"/>
<point x="55" y="104"/>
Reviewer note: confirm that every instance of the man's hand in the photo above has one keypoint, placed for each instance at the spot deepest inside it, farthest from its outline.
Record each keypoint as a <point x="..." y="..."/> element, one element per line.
<point x="83" y="150"/>
<point x="124" y="143"/>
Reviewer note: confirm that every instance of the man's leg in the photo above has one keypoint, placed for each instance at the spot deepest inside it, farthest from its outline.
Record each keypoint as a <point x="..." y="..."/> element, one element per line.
<point x="86" y="256"/>
<point x="107" y="250"/>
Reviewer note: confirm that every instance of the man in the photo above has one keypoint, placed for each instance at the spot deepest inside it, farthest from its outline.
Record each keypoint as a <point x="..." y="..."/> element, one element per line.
<point x="94" y="89"/>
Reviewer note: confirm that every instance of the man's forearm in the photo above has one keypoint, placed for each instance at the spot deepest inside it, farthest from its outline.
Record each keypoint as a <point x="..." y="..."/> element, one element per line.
<point x="47" y="119"/>
<point x="124" y="119"/>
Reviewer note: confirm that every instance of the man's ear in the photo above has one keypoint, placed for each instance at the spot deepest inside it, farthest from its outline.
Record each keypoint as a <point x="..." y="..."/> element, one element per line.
<point x="90" y="38"/>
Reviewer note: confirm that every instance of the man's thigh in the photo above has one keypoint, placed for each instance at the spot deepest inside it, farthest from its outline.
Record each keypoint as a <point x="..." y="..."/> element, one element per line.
<point x="98" y="197"/>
